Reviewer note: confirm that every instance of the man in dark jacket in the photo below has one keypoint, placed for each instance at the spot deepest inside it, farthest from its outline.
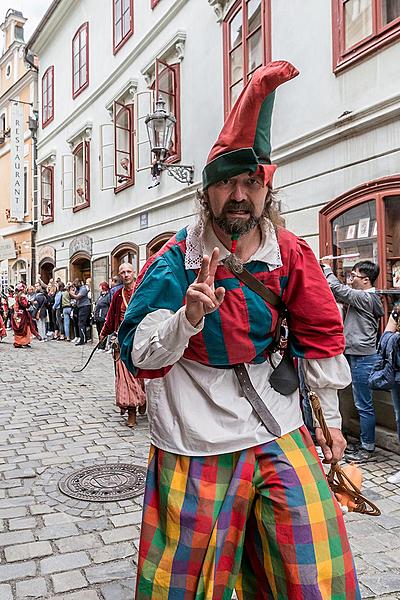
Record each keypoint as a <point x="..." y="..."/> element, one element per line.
<point x="364" y="309"/>
<point x="83" y="305"/>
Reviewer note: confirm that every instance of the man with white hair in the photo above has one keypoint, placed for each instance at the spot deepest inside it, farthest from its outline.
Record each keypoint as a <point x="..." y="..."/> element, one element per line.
<point x="129" y="391"/>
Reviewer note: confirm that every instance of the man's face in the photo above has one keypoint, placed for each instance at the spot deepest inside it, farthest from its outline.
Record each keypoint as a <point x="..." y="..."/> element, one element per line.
<point x="126" y="273"/>
<point x="359" y="281"/>
<point x="236" y="204"/>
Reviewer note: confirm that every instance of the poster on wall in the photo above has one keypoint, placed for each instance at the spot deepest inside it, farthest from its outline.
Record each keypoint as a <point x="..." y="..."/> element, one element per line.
<point x="396" y="274"/>
<point x="374" y="228"/>
<point x="363" y="228"/>
<point x="17" y="190"/>
<point x="351" y="232"/>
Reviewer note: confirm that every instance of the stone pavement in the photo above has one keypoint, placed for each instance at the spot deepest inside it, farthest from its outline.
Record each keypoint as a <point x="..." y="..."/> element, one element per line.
<point x="53" y="547"/>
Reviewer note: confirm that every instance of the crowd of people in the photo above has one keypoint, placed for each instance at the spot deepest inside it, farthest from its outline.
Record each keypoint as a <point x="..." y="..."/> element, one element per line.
<point x="58" y="311"/>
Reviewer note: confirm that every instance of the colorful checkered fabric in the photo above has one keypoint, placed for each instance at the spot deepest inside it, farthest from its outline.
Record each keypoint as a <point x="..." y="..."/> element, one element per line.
<point x="262" y="520"/>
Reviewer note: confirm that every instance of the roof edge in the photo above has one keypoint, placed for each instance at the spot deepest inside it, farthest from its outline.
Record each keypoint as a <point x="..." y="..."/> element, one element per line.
<point x="47" y="16"/>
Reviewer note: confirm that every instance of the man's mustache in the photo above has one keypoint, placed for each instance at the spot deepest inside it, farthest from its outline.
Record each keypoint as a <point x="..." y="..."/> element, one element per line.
<point x="233" y="206"/>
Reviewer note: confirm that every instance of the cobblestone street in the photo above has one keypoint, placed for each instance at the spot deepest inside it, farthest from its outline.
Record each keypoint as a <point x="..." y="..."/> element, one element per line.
<point x="52" y="546"/>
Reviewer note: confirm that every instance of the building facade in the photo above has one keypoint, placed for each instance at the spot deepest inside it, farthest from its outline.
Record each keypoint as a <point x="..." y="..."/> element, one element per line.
<point x="17" y="97"/>
<point x="335" y="129"/>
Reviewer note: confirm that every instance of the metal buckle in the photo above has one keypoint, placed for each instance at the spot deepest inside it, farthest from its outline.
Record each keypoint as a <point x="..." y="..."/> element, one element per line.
<point x="234" y="263"/>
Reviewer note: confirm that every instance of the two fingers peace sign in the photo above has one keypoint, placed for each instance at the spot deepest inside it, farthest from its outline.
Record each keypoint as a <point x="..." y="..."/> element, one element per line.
<point x="201" y="297"/>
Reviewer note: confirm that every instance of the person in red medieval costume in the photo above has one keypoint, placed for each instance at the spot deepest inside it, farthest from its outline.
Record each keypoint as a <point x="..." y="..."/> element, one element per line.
<point x="22" y="323"/>
<point x="236" y="496"/>
<point x="3" y="331"/>
<point x="129" y="390"/>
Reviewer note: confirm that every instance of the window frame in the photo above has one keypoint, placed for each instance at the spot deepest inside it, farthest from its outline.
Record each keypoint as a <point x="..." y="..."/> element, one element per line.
<point x="175" y="67"/>
<point x="86" y="175"/>
<point x="265" y="37"/>
<point x="49" y="218"/>
<point x="124" y="39"/>
<point x="45" y="78"/>
<point x="381" y="36"/>
<point x="77" y="92"/>
<point x="118" y="106"/>
<point x="153" y="3"/>
<point x="378" y="190"/>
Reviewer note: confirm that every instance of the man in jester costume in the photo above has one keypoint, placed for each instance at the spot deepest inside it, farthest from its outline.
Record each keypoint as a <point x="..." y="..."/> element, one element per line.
<point x="232" y="502"/>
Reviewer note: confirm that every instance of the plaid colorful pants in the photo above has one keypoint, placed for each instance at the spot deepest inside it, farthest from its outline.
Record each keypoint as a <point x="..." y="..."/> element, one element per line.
<point x="262" y="520"/>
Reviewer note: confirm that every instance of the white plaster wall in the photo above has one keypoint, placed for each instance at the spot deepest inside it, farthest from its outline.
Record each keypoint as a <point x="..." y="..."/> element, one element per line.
<point x="313" y="101"/>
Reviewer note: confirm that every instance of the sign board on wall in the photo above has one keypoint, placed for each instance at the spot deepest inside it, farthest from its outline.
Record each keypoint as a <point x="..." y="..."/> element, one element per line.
<point x="7" y="249"/>
<point x="82" y="243"/>
<point x="17" y="191"/>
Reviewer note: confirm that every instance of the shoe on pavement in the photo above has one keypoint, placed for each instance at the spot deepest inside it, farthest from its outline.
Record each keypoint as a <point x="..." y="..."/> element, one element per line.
<point x="395" y="478"/>
<point x="352" y="447"/>
<point x="361" y="456"/>
<point x="80" y="344"/>
<point x="100" y="350"/>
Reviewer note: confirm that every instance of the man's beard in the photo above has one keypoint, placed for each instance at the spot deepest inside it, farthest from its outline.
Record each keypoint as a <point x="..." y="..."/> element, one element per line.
<point x="238" y="226"/>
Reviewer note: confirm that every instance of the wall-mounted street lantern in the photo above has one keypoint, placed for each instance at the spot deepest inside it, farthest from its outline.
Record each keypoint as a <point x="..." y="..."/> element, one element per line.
<point x="160" y="128"/>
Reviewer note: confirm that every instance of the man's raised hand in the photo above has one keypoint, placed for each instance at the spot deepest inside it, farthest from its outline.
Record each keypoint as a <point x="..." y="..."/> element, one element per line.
<point x="201" y="297"/>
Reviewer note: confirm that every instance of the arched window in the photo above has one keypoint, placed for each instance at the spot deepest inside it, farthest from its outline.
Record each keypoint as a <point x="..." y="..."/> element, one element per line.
<point x="365" y="224"/>
<point x="157" y="243"/>
<point x="125" y="252"/>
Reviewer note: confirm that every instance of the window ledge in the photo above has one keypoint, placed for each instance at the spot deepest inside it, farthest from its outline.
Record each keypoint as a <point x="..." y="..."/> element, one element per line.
<point x="172" y="51"/>
<point x="124" y="94"/>
<point x="220" y="8"/>
<point x="47" y="220"/>
<point x="81" y="134"/>
<point x="79" y="207"/>
<point x="366" y="49"/>
<point x="48" y="159"/>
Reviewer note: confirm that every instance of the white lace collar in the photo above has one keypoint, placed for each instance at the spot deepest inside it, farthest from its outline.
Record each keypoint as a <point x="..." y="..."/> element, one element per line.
<point x="201" y="239"/>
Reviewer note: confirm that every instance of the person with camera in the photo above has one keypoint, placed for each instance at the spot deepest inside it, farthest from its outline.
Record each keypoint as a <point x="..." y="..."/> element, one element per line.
<point x="364" y="309"/>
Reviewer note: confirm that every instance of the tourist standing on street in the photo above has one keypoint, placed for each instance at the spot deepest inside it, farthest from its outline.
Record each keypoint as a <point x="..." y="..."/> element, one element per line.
<point x="364" y="309"/>
<point x="58" y="312"/>
<point x="40" y="304"/>
<point x="390" y="349"/>
<point x="22" y="322"/>
<point x="100" y="311"/>
<point x="3" y="331"/>
<point x="129" y="390"/>
<point x="235" y="497"/>
<point x="83" y="305"/>
<point x="66" y="311"/>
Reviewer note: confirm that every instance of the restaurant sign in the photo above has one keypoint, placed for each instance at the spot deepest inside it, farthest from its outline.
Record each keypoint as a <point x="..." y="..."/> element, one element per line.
<point x="17" y="192"/>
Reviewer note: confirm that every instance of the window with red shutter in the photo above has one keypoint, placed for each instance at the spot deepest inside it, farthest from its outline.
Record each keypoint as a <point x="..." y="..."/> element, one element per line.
<point x="47" y="194"/>
<point x="80" y="60"/>
<point x="48" y="96"/>
<point x="247" y="45"/>
<point x="122" y="21"/>
<point x="167" y="86"/>
<point x="123" y="139"/>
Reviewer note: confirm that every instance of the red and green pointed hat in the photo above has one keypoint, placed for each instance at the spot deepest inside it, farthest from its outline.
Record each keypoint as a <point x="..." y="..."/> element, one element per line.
<point x="244" y="142"/>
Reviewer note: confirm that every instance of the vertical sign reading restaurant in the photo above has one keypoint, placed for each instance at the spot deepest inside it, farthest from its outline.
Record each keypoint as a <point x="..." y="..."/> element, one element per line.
<point x="17" y="192"/>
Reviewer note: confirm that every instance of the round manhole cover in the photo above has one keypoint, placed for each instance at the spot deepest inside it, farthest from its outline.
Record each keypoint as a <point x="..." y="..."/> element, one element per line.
<point x="105" y="483"/>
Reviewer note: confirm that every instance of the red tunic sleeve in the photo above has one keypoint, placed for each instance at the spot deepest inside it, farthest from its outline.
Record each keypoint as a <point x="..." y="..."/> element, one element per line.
<point x="315" y="324"/>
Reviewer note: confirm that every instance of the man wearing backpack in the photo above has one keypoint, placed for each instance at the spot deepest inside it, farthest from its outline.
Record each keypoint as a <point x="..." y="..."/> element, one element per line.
<point x="364" y="309"/>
